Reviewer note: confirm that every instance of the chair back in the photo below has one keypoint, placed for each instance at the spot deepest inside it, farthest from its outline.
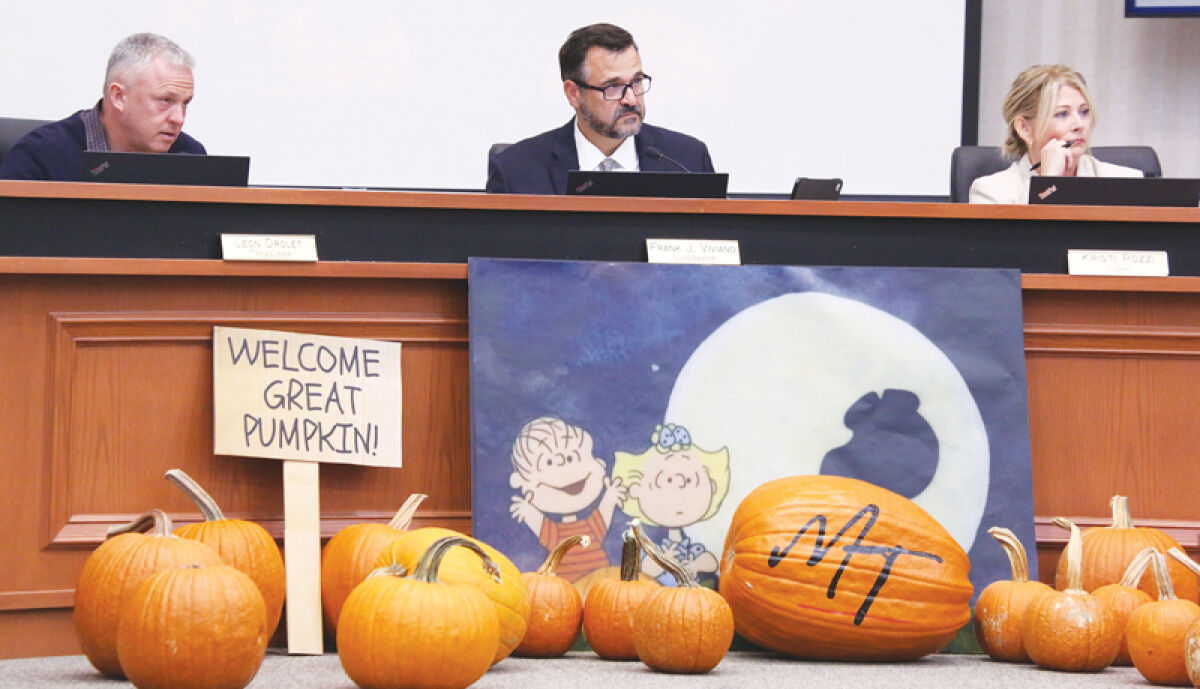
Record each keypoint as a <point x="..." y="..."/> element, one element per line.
<point x="12" y="129"/>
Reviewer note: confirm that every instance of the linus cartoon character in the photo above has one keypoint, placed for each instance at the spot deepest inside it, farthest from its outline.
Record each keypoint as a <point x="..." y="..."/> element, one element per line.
<point x="557" y="474"/>
<point x="675" y="484"/>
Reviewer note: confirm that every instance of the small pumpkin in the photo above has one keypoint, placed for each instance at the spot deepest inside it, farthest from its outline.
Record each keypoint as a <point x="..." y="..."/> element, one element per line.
<point x="418" y="632"/>
<point x="1157" y="630"/>
<point x="243" y="544"/>
<point x="351" y="554"/>
<point x="1000" y="608"/>
<point x="610" y="604"/>
<point x="113" y="573"/>
<point x="1124" y="597"/>
<point x="684" y="628"/>
<point x="1071" y="629"/>
<point x="1107" y="551"/>
<point x="508" y="593"/>
<point x="555" y="608"/>
<point x="194" y="628"/>
<point x="834" y="568"/>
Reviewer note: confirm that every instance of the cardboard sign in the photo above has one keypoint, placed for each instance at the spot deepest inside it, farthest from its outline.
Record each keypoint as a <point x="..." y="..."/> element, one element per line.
<point x="307" y="397"/>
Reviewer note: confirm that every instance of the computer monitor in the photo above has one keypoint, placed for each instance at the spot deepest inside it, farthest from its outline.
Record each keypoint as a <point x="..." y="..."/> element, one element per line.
<point x="686" y="185"/>
<point x="1115" y="191"/>
<point x="166" y="168"/>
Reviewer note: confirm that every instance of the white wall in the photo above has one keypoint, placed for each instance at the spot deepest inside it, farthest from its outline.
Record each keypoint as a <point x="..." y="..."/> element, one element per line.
<point x="1144" y="74"/>
<point x="411" y="94"/>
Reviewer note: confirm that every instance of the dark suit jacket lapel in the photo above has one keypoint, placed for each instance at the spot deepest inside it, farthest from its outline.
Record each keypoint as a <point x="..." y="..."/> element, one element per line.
<point x="563" y="157"/>
<point x="647" y="138"/>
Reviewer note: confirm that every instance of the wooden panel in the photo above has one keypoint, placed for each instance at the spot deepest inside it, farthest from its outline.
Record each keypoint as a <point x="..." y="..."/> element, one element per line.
<point x="107" y="383"/>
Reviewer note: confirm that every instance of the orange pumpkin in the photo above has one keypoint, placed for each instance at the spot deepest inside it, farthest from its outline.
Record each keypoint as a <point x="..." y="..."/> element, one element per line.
<point x="1071" y="629"/>
<point x="350" y="556"/>
<point x="1108" y="550"/>
<point x="1191" y="653"/>
<point x="113" y="573"/>
<point x="509" y="593"/>
<point x="611" y="572"/>
<point x="1156" y="632"/>
<point x="1124" y="597"/>
<point x="1000" y="608"/>
<point x="555" y="608"/>
<point x="834" y="568"/>
<point x="243" y="544"/>
<point x="610" y="604"/>
<point x="418" y="632"/>
<point x="193" y="628"/>
<point x="684" y="628"/>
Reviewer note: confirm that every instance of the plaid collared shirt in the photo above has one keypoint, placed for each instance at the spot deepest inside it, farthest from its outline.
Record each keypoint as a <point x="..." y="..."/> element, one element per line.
<point x="97" y="138"/>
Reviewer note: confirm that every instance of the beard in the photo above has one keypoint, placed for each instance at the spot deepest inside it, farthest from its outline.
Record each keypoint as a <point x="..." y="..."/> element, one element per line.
<point x="613" y="128"/>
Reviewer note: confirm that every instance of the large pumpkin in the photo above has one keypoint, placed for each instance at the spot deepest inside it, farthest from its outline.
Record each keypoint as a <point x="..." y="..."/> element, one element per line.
<point x="828" y="567"/>
<point x="462" y="567"/>
<point x="193" y="628"/>
<point x="418" y="631"/>
<point x="350" y="556"/>
<point x="243" y="544"/>
<point x="113" y="573"/>
<point x="1108" y="550"/>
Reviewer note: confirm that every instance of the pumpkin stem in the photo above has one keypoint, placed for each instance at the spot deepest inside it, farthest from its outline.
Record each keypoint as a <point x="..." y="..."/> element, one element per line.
<point x="1184" y="560"/>
<point x="550" y="566"/>
<point x="1137" y="568"/>
<point x="1165" y="590"/>
<point x="393" y="570"/>
<point x="683" y="577"/>
<point x="1120" y="512"/>
<point x="405" y="514"/>
<point x="1017" y="559"/>
<point x="153" y="523"/>
<point x="208" y="506"/>
<point x="431" y="559"/>
<point x="1074" y="555"/>
<point x="631" y="554"/>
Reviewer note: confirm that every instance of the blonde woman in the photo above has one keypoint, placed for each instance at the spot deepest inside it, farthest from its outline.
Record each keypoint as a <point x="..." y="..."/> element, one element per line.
<point x="1050" y="118"/>
<point x="674" y="484"/>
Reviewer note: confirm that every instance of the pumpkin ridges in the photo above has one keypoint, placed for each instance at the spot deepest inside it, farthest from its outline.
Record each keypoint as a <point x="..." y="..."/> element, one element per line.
<point x="556" y="608"/>
<point x="772" y="513"/>
<point x="1001" y="606"/>
<point x="112" y="573"/>
<point x="415" y="631"/>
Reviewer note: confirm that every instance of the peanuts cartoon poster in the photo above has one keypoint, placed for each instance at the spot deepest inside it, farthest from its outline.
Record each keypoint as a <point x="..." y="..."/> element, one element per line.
<point x="604" y="392"/>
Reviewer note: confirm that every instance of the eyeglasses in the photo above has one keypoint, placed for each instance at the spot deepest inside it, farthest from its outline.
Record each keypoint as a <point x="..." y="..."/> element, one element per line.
<point x="639" y="86"/>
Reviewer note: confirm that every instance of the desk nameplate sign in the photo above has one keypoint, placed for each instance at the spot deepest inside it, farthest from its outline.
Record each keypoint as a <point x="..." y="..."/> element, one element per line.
<point x="1112" y="262"/>
<point x="269" y="247"/>
<point x="717" y="252"/>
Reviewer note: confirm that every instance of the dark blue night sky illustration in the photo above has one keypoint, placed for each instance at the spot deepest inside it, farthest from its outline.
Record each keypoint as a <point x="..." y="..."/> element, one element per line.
<point x="601" y="345"/>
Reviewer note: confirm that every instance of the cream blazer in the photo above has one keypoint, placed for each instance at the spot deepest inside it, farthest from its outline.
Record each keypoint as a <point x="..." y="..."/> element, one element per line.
<point x="1012" y="184"/>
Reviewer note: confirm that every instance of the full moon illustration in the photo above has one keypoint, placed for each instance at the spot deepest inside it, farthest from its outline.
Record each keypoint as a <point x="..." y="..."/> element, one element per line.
<point x="773" y="384"/>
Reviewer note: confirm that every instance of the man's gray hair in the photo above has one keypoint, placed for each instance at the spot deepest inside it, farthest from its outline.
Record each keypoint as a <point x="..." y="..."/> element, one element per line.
<point x="134" y="53"/>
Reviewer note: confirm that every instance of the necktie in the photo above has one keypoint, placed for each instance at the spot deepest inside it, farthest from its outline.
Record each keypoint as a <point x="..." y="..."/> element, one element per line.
<point x="608" y="165"/>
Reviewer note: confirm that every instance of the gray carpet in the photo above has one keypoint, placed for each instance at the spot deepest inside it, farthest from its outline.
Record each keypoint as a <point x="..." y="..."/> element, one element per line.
<point x="582" y="670"/>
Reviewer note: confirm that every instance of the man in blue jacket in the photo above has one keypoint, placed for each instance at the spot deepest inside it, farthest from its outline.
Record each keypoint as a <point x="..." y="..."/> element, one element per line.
<point x="147" y="88"/>
<point x="604" y="82"/>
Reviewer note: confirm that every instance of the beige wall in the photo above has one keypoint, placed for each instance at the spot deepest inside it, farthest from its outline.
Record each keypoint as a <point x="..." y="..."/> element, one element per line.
<point x="1144" y="74"/>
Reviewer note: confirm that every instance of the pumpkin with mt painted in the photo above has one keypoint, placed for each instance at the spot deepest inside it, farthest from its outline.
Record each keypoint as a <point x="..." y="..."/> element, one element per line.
<point x="833" y="568"/>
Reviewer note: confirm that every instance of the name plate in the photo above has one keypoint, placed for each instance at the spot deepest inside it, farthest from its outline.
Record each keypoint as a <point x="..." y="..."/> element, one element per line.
<point x="723" y="252"/>
<point x="1132" y="263"/>
<point x="269" y="247"/>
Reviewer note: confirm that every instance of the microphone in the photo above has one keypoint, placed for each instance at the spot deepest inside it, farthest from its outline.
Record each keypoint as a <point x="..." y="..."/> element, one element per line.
<point x="659" y="155"/>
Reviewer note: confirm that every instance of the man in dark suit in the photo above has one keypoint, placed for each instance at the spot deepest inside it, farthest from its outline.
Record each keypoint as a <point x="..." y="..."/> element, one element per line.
<point x="604" y="82"/>
<point x="147" y="88"/>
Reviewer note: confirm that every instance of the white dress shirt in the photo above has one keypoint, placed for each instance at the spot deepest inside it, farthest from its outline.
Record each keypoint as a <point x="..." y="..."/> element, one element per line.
<point x="590" y="157"/>
<point x="1011" y="185"/>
